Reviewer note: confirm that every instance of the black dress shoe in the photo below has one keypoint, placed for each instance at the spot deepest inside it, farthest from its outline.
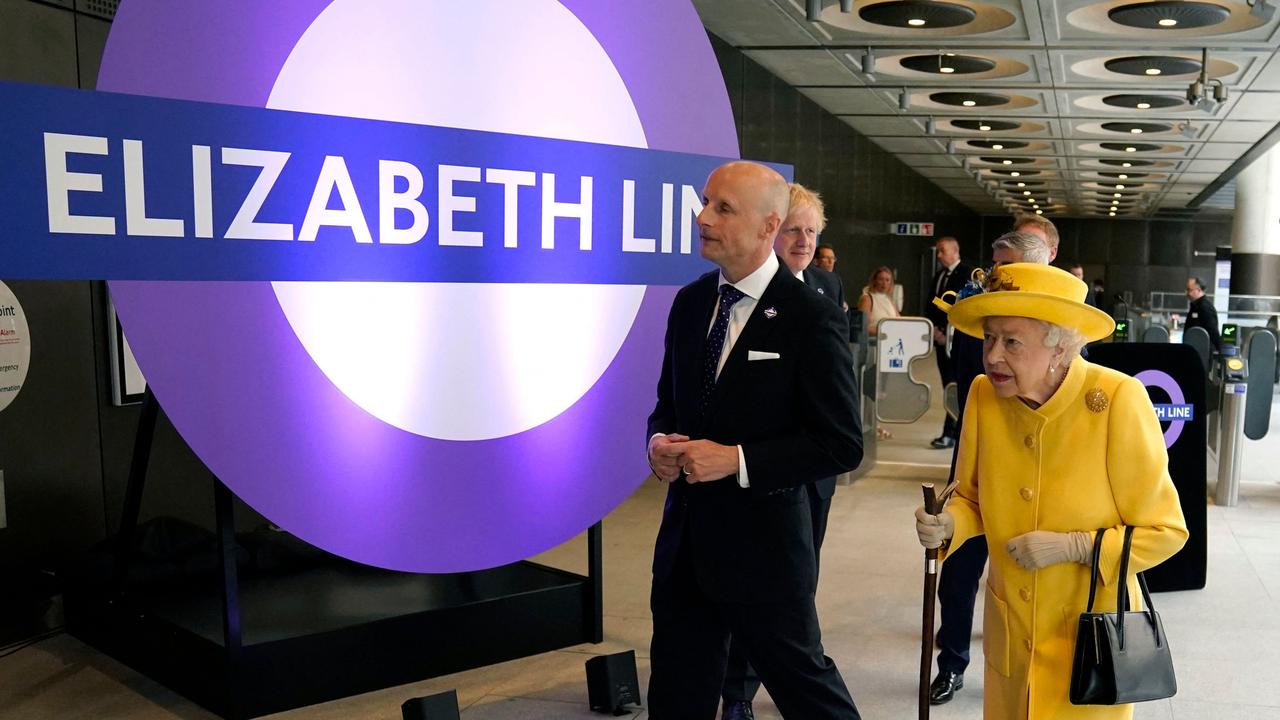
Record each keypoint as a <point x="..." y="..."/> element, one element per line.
<point x="737" y="710"/>
<point x="944" y="687"/>
<point x="942" y="443"/>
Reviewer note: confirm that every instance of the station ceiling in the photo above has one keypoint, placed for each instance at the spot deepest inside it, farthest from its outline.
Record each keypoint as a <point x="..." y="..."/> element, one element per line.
<point x="1072" y="98"/>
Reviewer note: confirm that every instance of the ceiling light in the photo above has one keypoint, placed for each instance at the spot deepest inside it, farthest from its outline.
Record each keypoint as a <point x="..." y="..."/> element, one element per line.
<point x="904" y="100"/>
<point x="1152" y="71"/>
<point x="1123" y="176"/>
<point x="1026" y="192"/>
<point x="1144" y="106"/>
<point x="1261" y="9"/>
<point x="1131" y="149"/>
<point x="1136" y="131"/>
<point x="846" y="6"/>
<point x="997" y="146"/>
<point x="1117" y="195"/>
<point x="1126" y="164"/>
<point x="930" y="127"/>
<point x="984" y="128"/>
<point x="968" y="103"/>
<point x="1015" y="173"/>
<point x="1119" y="187"/>
<point x="868" y="61"/>
<point x="1111" y="214"/>
<point x="1006" y="162"/>
<point x="1022" y="184"/>
<point x="916" y="22"/>
<point x="1166" y="22"/>
<point x="1039" y="212"/>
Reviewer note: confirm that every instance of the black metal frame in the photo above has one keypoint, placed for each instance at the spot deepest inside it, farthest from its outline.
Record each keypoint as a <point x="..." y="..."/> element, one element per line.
<point x="239" y="679"/>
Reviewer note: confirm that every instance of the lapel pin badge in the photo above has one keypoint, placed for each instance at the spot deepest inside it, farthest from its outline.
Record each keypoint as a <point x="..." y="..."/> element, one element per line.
<point x="822" y="291"/>
<point x="770" y="313"/>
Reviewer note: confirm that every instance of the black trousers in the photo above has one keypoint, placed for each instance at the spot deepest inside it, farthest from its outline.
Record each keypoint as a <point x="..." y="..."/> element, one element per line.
<point x="948" y="373"/>
<point x="957" y="594"/>
<point x="781" y="640"/>
<point x="741" y="683"/>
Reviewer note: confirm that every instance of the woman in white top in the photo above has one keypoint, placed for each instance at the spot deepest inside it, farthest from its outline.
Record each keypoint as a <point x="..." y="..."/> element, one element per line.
<point x="878" y="303"/>
<point x="877" y="299"/>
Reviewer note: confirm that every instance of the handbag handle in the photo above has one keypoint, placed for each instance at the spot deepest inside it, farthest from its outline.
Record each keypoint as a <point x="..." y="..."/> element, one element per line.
<point x="1122" y="594"/>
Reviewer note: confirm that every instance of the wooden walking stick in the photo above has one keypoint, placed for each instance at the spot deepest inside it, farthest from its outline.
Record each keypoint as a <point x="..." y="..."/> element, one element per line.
<point x="933" y="505"/>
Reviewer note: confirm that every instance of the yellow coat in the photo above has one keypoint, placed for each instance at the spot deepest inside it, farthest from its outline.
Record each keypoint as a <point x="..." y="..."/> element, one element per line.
<point x="1061" y="467"/>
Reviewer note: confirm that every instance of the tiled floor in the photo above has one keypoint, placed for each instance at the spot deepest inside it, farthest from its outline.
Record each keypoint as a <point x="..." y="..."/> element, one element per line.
<point x="1225" y="638"/>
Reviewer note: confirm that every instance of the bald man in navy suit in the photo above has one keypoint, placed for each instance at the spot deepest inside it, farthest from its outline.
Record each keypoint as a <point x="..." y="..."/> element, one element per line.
<point x="756" y="401"/>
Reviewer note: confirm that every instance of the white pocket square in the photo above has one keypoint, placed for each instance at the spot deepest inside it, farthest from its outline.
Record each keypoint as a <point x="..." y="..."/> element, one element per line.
<point x="760" y="355"/>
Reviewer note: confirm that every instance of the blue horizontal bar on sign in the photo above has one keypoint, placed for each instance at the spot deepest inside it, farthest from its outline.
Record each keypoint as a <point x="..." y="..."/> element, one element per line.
<point x="122" y="187"/>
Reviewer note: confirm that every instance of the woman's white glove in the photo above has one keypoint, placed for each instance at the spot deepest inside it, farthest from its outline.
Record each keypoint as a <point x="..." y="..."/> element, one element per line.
<point x="1042" y="548"/>
<point x="934" y="530"/>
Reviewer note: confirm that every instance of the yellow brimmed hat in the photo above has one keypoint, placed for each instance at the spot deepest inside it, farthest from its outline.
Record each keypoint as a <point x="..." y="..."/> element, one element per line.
<point x="1029" y="290"/>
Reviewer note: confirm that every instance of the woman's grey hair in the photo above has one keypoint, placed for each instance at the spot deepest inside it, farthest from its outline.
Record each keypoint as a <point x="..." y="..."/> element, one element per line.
<point x="1069" y="339"/>
<point x="1030" y="247"/>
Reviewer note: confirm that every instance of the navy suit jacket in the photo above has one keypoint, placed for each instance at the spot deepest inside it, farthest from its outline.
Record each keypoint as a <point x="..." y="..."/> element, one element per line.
<point x="794" y="417"/>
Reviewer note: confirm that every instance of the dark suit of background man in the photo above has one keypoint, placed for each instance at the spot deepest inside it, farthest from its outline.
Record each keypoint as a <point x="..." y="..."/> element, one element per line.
<point x="1201" y="312"/>
<point x="795" y="245"/>
<point x="951" y="276"/>
<point x="755" y="402"/>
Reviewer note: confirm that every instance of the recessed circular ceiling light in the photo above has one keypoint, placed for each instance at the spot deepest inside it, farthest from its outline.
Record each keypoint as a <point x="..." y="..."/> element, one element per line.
<point x="968" y="103"/>
<point x="1151" y="65"/>
<point x="946" y="70"/>
<point x="918" y="14"/>
<point x="984" y="128"/>
<point x="1015" y="173"/>
<point x="1143" y="106"/>
<point x="1131" y="149"/>
<point x="1135" y="131"/>
<point x="1165" y="14"/>
<point x="1006" y="162"/>
<point x="1126" y="164"/>
<point x="1022" y="184"/>
<point x="1122" y="176"/>
<point x="1026" y="192"/>
<point x="1117" y="195"/>
<point x="1119" y="187"/>
<point x="997" y="146"/>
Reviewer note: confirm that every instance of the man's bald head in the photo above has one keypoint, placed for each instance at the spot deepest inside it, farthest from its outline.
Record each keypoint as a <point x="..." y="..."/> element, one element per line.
<point x="774" y="194"/>
<point x="744" y="204"/>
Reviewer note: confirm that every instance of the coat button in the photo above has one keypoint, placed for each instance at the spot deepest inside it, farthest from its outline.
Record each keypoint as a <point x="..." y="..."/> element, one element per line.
<point x="1026" y="494"/>
<point x="1026" y="594"/>
<point x="1030" y="442"/>
<point x="1027" y="643"/>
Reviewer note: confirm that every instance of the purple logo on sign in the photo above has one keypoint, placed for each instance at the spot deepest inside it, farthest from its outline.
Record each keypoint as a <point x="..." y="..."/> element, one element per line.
<point x="429" y="427"/>
<point x="1165" y="381"/>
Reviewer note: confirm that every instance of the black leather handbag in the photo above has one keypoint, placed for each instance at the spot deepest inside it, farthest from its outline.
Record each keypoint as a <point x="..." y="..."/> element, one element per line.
<point x="1121" y="657"/>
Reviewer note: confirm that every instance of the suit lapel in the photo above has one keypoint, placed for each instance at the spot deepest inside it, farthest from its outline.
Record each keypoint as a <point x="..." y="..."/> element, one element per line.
<point x="693" y="336"/>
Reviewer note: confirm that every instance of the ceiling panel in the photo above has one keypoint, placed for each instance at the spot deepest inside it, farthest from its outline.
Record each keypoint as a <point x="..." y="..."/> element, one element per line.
<point x="1040" y="64"/>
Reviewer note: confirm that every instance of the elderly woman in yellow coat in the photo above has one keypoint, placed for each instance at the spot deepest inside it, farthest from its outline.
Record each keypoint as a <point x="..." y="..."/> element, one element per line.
<point x="1053" y="448"/>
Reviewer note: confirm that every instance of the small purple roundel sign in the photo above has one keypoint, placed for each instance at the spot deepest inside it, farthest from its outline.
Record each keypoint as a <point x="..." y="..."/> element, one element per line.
<point x="465" y="421"/>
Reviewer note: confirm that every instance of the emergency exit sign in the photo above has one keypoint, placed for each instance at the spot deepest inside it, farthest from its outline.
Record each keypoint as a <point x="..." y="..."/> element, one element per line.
<point x="911" y="228"/>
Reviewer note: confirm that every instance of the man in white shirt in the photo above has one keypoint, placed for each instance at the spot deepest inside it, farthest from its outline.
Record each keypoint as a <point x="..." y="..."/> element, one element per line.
<point x="755" y="402"/>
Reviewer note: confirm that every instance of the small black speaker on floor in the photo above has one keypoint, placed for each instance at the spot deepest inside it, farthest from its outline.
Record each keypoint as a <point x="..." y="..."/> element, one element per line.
<point x="612" y="682"/>
<point x="441" y="706"/>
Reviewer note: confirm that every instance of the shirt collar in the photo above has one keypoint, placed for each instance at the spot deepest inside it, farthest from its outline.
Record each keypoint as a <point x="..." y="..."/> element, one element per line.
<point x="952" y="267"/>
<point x="800" y="275"/>
<point x="753" y="285"/>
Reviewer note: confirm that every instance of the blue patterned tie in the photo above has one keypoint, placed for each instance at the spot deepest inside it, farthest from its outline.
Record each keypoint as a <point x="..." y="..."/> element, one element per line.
<point x="729" y="296"/>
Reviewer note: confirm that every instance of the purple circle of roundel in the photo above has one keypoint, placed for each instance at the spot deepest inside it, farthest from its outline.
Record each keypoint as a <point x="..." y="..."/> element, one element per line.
<point x="1165" y="381"/>
<point x="237" y="384"/>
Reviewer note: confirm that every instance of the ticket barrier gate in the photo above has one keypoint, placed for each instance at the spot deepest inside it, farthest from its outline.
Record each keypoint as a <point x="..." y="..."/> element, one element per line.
<point x="1247" y="387"/>
<point x="864" y="372"/>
